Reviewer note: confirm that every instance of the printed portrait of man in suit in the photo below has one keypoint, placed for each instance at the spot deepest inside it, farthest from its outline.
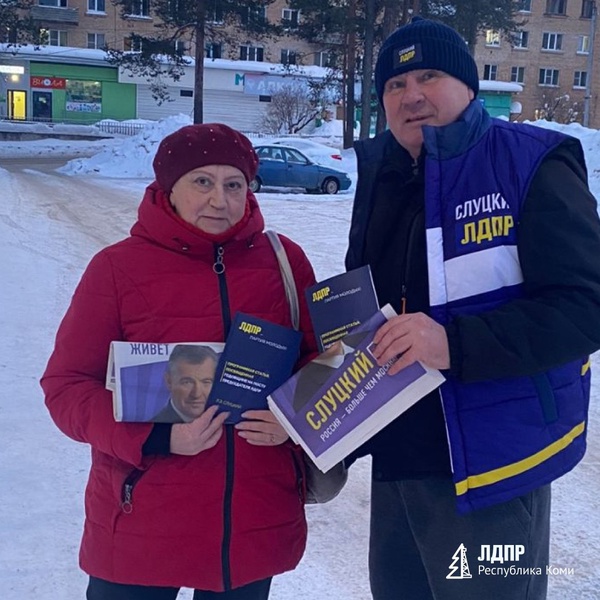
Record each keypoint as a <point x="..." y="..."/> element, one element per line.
<point x="189" y="377"/>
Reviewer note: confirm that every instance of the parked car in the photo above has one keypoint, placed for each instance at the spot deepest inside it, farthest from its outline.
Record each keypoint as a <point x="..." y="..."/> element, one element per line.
<point x="318" y="153"/>
<point x="284" y="166"/>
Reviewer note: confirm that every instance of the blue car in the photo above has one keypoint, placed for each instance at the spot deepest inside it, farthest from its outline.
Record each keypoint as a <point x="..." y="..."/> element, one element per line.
<point x="284" y="166"/>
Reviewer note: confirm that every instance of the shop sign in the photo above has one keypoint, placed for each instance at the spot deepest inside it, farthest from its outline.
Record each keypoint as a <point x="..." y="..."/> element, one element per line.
<point x="88" y="107"/>
<point x="267" y="85"/>
<point x="53" y="83"/>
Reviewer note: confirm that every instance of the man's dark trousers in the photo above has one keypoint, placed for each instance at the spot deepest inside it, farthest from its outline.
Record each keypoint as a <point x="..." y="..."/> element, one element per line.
<point x="416" y="534"/>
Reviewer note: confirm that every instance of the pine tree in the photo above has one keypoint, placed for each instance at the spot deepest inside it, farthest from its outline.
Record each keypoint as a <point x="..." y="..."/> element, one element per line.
<point x="194" y="21"/>
<point x="339" y="27"/>
<point x="472" y="17"/>
<point x="16" y="25"/>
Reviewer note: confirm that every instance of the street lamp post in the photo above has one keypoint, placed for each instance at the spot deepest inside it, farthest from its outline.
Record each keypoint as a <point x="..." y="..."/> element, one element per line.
<point x="590" y="68"/>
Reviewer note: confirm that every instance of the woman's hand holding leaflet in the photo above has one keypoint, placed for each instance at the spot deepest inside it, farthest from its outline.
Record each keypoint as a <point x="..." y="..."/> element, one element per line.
<point x="201" y="434"/>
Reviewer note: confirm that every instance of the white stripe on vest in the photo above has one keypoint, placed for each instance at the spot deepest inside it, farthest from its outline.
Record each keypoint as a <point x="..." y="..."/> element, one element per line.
<point x="469" y="275"/>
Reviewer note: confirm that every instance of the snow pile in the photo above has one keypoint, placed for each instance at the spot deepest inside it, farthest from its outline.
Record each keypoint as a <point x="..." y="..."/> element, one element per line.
<point x="133" y="156"/>
<point x="590" y="140"/>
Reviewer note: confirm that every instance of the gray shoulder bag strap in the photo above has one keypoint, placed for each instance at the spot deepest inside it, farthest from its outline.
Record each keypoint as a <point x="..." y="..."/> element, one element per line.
<point x="288" y="277"/>
<point x="320" y="487"/>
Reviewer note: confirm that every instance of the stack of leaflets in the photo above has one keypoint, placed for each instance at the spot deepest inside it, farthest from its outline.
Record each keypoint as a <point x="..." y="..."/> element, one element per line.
<point x="173" y="383"/>
<point x="343" y="397"/>
<point x="330" y="407"/>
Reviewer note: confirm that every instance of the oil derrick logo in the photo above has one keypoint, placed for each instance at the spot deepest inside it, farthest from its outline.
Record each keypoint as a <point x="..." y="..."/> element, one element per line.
<point x="459" y="567"/>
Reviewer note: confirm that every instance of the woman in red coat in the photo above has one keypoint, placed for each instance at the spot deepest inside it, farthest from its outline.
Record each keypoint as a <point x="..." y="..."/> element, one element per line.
<point x="203" y="505"/>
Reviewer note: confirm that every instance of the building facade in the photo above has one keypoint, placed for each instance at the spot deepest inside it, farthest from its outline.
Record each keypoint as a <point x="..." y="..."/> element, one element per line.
<point x="70" y="80"/>
<point x="95" y="24"/>
<point x="550" y="59"/>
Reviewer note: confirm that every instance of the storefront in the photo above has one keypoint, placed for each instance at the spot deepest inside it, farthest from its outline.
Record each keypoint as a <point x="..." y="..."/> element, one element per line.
<point x="79" y="94"/>
<point x="235" y="92"/>
<point x="13" y="90"/>
<point x="72" y="86"/>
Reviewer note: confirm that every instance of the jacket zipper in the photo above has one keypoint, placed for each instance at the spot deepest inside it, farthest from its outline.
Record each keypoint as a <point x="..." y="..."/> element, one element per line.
<point x="227" y="517"/>
<point x="127" y="490"/>
<point x="219" y="269"/>
<point x="409" y="241"/>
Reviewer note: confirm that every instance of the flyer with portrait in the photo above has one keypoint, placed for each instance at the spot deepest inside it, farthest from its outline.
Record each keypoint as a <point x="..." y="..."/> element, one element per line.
<point x="161" y="383"/>
<point x="342" y="398"/>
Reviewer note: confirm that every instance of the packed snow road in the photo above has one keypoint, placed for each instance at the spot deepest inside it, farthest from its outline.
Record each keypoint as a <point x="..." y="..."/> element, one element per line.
<point x="51" y="224"/>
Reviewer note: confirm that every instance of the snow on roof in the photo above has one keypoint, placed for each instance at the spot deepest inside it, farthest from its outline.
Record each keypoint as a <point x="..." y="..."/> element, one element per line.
<point x="66" y="54"/>
<point x="499" y="86"/>
<point x="53" y="53"/>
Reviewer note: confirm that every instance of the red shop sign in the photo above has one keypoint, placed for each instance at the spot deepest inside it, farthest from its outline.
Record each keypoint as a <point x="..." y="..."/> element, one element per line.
<point x="53" y="83"/>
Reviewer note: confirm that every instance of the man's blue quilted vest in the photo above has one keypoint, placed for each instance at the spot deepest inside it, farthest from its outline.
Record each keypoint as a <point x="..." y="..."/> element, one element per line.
<point x="508" y="436"/>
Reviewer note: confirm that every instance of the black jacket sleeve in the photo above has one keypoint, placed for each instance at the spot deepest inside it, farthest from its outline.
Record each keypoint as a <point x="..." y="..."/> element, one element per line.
<point x="558" y="319"/>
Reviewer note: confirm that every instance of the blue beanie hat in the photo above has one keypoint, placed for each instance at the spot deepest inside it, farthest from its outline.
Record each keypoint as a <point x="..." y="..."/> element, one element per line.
<point x="425" y="44"/>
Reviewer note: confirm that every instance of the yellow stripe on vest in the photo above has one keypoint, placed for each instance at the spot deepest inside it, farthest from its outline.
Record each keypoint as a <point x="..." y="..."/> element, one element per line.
<point x="496" y="475"/>
<point x="586" y="367"/>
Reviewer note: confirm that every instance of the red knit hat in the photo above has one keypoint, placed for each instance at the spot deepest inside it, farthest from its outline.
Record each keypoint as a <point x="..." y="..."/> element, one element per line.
<point x="195" y="146"/>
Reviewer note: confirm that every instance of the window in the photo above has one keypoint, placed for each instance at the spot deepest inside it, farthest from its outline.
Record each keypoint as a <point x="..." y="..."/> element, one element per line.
<point x="180" y="47"/>
<point x="294" y="156"/>
<point x="186" y="93"/>
<point x="53" y="37"/>
<point x="490" y="72"/>
<point x="257" y="15"/>
<point x="139" y="8"/>
<point x="214" y="13"/>
<point x="84" y="96"/>
<point x="290" y="18"/>
<point x="95" y="40"/>
<point x="524" y="6"/>
<point x="57" y="3"/>
<point x="556" y="7"/>
<point x="548" y="77"/>
<point x="492" y="38"/>
<point x="269" y="153"/>
<point x="580" y="79"/>
<point x="583" y="44"/>
<point x="133" y="43"/>
<point x="552" y="41"/>
<point x="521" y="39"/>
<point x="517" y="74"/>
<point x="96" y="6"/>
<point x="213" y="50"/>
<point x="324" y="59"/>
<point x="587" y="8"/>
<point x="288" y="57"/>
<point x="253" y="53"/>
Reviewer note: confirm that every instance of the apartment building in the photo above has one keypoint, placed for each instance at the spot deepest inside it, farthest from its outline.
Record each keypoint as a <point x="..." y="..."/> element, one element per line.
<point x="98" y="23"/>
<point x="549" y="59"/>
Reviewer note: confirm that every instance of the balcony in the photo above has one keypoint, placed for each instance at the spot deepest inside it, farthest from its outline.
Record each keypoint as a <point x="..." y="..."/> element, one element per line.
<point x="53" y="14"/>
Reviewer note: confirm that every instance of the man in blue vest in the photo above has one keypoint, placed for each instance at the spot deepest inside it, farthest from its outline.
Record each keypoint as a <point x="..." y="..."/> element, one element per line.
<point x="485" y="238"/>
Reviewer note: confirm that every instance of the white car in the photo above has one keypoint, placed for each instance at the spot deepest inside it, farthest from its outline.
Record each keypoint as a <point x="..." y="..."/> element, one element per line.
<point x="318" y="153"/>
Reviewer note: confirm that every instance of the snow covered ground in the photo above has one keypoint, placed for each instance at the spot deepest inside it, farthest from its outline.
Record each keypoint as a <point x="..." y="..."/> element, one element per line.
<point x="51" y="223"/>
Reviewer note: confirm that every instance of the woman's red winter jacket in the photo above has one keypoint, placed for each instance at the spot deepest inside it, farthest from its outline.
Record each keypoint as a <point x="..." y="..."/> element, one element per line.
<point x="229" y="515"/>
